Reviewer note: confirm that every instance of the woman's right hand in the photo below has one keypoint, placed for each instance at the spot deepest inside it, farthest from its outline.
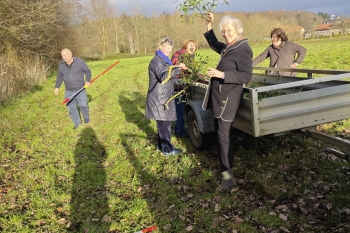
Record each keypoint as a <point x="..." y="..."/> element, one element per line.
<point x="183" y="66"/>
<point x="210" y="17"/>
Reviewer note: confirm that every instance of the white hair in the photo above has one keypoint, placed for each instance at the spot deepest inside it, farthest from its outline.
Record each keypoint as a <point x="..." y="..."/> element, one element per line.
<point x="164" y="41"/>
<point x="236" y="23"/>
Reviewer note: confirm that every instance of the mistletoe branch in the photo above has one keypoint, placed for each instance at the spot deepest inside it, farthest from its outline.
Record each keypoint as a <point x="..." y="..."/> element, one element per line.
<point x="191" y="75"/>
<point x="199" y="7"/>
<point x="183" y="91"/>
<point x="169" y="73"/>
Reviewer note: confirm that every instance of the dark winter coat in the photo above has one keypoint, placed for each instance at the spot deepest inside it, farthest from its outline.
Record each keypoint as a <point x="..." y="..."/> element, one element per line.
<point x="158" y="94"/>
<point x="223" y="95"/>
<point x="282" y="57"/>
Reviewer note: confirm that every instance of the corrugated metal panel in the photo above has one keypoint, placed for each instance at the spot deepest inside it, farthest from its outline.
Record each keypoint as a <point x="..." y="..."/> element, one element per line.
<point x="295" y="104"/>
<point x="300" y="110"/>
<point x="300" y="121"/>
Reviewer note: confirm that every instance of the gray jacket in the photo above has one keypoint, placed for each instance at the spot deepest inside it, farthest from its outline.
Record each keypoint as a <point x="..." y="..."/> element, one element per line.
<point x="73" y="76"/>
<point x="158" y="94"/>
<point x="282" y="57"/>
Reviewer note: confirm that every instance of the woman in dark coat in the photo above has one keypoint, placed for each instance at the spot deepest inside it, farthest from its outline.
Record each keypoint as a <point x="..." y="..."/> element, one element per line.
<point x="226" y="85"/>
<point x="158" y="94"/>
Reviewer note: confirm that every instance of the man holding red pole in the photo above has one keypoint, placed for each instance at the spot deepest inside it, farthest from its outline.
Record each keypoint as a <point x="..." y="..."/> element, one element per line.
<point x="76" y="75"/>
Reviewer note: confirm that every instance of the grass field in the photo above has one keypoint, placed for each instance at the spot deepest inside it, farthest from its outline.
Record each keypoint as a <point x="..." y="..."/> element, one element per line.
<point x="107" y="177"/>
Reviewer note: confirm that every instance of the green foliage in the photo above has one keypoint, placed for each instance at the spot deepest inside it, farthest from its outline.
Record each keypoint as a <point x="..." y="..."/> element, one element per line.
<point x="199" y="7"/>
<point x="194" y="73"/>
<point x="197" y="67"/>
<point x="267" y="94"/>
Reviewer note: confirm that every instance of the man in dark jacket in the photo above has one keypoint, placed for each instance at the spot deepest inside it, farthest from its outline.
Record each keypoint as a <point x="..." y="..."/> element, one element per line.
<point x="282" y="53"/>
<point x="75" y="74"/>
<point x="225" y="89"/>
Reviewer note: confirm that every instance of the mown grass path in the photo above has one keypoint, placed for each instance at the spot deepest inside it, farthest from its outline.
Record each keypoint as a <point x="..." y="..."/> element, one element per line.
<point x="107" y="177"/>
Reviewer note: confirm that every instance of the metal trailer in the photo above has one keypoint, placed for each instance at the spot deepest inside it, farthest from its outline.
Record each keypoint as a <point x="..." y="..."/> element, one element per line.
<point x="278" y="104"/>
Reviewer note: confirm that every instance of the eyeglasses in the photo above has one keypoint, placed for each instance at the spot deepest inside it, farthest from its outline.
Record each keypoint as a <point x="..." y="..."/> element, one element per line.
<point x="227" y="31"/>
<point x="166" y="40"/>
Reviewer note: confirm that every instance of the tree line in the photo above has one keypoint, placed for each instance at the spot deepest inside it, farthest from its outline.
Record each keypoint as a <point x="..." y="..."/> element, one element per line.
<point x="33" y="32"/>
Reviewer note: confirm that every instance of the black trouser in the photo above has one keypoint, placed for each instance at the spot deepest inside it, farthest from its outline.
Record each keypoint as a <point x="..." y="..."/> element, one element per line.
<point x="223" y="131"/>
<point x="164" y="136"/>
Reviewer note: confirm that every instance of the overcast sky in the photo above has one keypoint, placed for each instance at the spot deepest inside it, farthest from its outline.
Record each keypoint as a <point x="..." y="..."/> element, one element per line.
<point x="338" y="7"/>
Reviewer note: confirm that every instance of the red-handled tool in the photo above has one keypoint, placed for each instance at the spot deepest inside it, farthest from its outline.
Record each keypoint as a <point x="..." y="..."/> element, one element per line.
<point x="149" y="229"/>
<point x="76" y="93"/>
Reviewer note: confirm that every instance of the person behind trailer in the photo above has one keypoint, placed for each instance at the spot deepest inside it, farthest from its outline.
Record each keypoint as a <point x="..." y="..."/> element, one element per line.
<point x="159" y="93"/>
<point x="185" y="54"/>
<point x="226" y="86"/>
<point x="282" y="53"/>
<point x="75" y="74"/>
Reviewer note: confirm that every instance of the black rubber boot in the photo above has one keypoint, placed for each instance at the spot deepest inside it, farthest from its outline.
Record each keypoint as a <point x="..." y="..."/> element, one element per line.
<point x="227" y="181"/>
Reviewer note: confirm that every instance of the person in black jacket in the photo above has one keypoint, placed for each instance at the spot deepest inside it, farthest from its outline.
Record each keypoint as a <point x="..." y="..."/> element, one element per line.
<point x="226" y="85"/>
<point x="75" y="74"/>
<point x="158" y="94"/>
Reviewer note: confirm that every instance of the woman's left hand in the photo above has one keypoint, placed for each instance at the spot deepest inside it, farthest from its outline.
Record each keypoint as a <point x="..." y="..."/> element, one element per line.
<point x="294" y="65"/>
<point x="183" y="66"/>
<point x="214" y="73"/>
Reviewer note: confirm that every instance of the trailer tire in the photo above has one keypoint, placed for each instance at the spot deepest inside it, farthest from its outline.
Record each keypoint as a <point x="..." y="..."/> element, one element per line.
<point x="199" y="140"/>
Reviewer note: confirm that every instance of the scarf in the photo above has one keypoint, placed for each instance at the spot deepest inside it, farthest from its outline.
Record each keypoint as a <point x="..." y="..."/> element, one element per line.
<point x="238" y="38"/>
<point x="165" y="58"/>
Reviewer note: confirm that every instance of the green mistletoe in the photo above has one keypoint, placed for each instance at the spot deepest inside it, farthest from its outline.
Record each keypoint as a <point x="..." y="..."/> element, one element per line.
<point x="194" y="73"/>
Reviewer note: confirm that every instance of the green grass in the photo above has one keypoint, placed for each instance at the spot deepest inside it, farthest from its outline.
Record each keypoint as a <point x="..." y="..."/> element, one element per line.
<point x="107" y="177"/>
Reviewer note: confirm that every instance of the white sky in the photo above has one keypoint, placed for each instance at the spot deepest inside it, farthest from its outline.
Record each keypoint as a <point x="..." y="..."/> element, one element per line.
<point x="338" y="7"/>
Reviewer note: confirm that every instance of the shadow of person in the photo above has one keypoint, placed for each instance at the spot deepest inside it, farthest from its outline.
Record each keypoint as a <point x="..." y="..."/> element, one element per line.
<point x="132" y="113"/>
<point x="89" y="98"/>
<point x="160" y="188"/>
<point x="89" y="201"/>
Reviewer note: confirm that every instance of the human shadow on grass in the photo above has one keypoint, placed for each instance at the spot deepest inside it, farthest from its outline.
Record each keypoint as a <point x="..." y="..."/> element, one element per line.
<point x="89" y="202"/>
<point x="162" y="190"/>
<point x="100" y="94"/>
<point x="130" y="104"/>
<point x="164" y="194"/>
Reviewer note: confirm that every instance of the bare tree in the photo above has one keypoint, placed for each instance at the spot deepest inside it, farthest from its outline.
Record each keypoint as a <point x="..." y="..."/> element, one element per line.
<point x="101" y="21"/>
<point x="33" y="25"/>
<point x="308" y="21"/>
<point x="135" y="21"/>
<point x="344" y="24"/>
<point x="31" y="34"/>
<point x="117" y="25"/>
<point x="132" y="45"/>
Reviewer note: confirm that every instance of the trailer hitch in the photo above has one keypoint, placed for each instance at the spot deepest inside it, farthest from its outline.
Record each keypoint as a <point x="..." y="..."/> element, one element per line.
<point x="336" y="141"/>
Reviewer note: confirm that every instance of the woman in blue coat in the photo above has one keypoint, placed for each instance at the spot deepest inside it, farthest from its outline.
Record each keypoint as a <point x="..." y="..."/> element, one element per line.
<point x="224" y="93"/>
<point x="158" y="94"/>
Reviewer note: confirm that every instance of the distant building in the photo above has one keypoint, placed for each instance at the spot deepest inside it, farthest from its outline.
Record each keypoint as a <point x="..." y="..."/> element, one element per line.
<point x="327" y="29"/>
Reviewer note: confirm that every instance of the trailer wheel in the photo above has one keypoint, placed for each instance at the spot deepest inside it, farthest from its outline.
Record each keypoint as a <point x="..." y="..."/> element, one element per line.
<point x="199" y="140"/>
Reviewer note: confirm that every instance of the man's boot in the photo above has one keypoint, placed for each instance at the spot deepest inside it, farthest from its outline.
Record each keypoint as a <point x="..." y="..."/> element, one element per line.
<point x="227" y="181"/>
